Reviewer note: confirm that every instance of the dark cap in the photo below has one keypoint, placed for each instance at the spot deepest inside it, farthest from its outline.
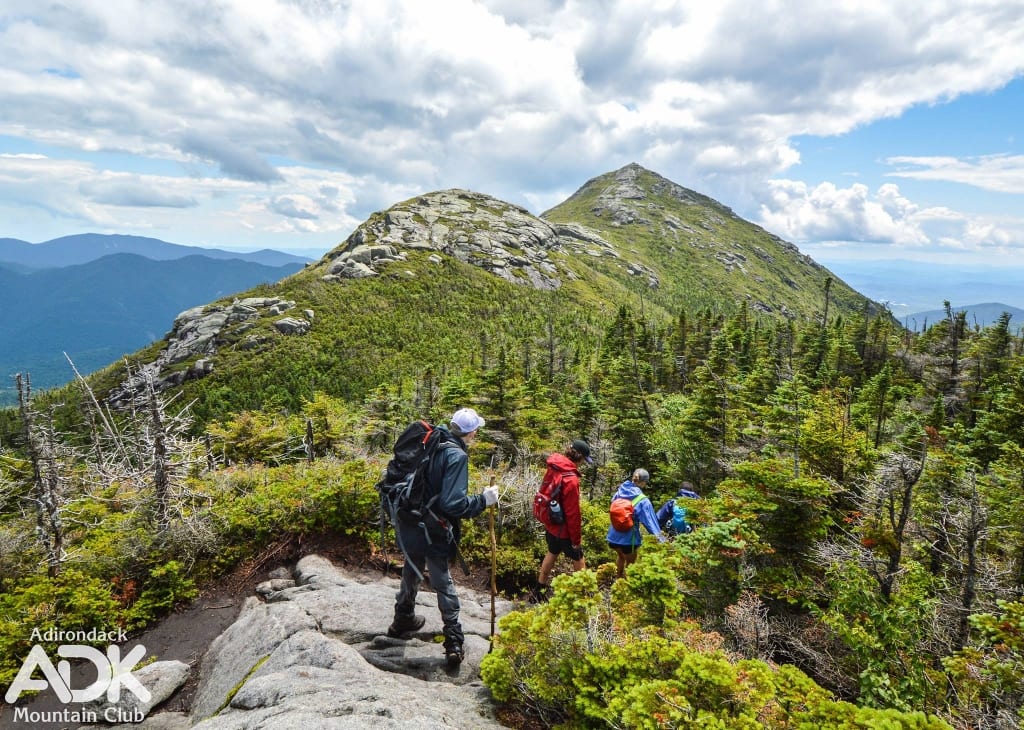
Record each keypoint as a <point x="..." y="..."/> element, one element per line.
<point x="582" y="448"/>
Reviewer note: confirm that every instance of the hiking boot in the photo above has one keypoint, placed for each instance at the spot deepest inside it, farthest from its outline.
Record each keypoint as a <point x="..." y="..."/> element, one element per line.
<point x="454" y="654"/>
<point x="402" y="626"/>
<point x="540" y="593"/>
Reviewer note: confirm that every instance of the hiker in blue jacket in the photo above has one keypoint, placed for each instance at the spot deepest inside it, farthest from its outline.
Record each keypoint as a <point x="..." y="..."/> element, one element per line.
<point x="666" y="514"/>
<point x="627" y="543"/>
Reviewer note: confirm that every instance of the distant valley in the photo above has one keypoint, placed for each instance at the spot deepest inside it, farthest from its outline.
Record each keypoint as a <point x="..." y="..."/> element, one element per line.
<point x="99" y="297"/>
<point x="915" y="288"/>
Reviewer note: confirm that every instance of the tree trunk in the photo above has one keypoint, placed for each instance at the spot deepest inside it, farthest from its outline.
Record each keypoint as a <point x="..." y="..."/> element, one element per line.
<point x="161" y="467"/>
<point x="46" y="492"/>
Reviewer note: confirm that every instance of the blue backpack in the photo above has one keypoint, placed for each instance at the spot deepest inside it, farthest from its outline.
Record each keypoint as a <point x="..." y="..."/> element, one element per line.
<point x="679" y="524"/>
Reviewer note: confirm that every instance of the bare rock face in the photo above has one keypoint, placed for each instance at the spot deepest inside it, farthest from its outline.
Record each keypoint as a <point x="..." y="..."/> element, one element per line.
<point x="198" y="332"/>
<point x="310" y="650"/>
<point x="161" y="679"/>
<point x="477" y="229"/>
<point x="316" y="654"/>
<point x="292" y="326"/>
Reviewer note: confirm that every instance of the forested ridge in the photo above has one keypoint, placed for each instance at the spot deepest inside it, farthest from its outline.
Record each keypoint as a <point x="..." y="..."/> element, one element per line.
<point x="859" y="553"/>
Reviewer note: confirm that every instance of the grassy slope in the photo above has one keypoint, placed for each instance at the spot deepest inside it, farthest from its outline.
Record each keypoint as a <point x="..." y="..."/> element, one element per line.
<point x="387" y="330"/>
<point x="693" y="242"/>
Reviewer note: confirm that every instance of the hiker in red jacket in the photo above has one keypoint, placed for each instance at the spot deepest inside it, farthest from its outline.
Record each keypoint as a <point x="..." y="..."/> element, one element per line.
<point x="566" y="538"/>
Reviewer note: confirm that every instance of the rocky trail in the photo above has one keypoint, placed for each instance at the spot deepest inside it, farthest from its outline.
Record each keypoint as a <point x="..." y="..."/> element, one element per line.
<point x="297" y="639"/>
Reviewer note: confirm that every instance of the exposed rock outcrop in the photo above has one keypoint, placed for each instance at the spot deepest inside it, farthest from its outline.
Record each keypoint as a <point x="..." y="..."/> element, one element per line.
<point x="161" y="679"/>
<point x="315" y="654"/>
<point x="316" y="650"/>
<point x="292" y="326"/>
<point x="200" y="331"/>
<point x="497" y="236"/>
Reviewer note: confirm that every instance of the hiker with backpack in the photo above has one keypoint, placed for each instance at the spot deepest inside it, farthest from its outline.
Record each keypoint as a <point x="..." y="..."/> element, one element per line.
<point x="429" y="536"/>
<point x="672" y="516"/>
<point x="629" y="509"/>
<point x="557" y="506"/>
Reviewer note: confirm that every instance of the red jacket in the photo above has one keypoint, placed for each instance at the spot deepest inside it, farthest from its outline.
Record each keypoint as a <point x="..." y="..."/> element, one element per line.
<point x="572" y="527"/>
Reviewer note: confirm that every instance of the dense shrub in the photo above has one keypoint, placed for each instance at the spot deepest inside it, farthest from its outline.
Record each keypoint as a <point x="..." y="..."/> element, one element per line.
<point x="71" y="601"/>
<point x="627" y="657"/>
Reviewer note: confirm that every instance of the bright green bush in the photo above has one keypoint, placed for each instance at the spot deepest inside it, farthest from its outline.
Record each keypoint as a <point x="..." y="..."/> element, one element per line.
<point x="299" y="498"/>
<point x="251" y="437"/>
<point x="166" y="586"/>
<point x="71" y="601"/>
<point x="627" y="657"/>
<point x="533" y="656"/>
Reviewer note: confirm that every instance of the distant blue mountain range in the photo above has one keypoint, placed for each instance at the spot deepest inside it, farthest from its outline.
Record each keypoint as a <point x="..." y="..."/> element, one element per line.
<point x="916" y="291"/>
<point x="86" y="247"/>
<point x="978" y="315"/>
<point x="98" y="298"/>
<point x="913" y="287"/>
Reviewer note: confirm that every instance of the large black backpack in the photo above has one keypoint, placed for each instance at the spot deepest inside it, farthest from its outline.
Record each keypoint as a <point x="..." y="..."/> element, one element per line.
<point x="405" y="494"/>
<point x="403" y="483"/>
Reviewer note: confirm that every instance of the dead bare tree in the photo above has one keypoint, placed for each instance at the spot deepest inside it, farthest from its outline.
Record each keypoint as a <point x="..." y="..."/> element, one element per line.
<point x="748" y="624"/>
<point x="308" y="444"/>
<point x="890" y="505"/>
<point x="518" y="480"/>
<point x="47" y="489"/>
<point x="161" y="464"/>
<point x="147" y="448"/>
<point x="973" y="581"/>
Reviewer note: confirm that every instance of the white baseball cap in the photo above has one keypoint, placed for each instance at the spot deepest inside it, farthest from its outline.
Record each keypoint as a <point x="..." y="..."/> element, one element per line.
<point x="466" y="420"/>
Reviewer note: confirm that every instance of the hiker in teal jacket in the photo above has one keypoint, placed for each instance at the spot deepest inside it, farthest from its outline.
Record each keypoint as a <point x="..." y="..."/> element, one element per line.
<point x="429" y="545"/>
<point x="626" y="544"/>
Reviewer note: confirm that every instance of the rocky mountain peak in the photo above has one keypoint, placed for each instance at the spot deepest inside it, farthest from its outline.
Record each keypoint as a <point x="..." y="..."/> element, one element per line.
<point x="631" y="195"/>
<point x="477" y="229"/>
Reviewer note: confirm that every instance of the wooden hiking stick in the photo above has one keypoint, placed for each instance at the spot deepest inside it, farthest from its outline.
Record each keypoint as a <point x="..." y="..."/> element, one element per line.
<point x="494" y="562"/>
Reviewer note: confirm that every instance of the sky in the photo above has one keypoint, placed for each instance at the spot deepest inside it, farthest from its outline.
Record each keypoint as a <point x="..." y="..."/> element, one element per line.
<point x="867" y="131"/>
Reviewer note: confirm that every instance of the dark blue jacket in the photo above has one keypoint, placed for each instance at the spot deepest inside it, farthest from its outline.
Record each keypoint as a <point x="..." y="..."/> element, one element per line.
<point x="665" y="513"/>
<point x="449" y="477"/>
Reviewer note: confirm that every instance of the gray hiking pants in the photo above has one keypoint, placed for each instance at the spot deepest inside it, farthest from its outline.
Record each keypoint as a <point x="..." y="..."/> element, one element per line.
<point x="433" y="557"/>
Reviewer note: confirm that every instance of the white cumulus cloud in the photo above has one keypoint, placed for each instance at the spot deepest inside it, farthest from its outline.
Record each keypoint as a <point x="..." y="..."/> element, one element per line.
<point x="246" y="108"/>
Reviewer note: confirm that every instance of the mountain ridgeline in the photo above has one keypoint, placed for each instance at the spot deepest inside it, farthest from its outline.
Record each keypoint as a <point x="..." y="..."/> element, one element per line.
<point x="85" y="247"/>
<point x="703" y="253"/>
<point x="455" y="280"/>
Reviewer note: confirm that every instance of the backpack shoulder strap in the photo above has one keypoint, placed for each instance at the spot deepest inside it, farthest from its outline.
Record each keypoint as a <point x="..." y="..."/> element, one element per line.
<point x="554" y="487"/>
<point x="635" y="501"/>
<point x="559" y="482"/>
<point x="438" y="447"/>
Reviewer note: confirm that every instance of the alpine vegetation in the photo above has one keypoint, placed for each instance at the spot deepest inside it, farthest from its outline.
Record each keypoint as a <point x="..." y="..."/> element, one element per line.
<point x="848" y="548"/>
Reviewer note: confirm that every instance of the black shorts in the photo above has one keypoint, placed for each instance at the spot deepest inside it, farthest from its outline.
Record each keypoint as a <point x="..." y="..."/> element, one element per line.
<point x="558" y="545"/>
<point x="624" y="549"/>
